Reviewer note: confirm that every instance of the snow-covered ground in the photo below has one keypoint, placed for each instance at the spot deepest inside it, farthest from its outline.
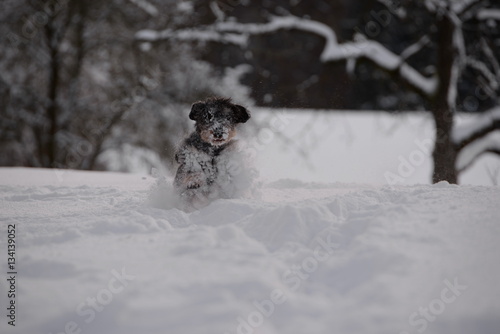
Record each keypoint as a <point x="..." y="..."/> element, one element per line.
<point x="93" y="257"/>
<point x="338" y="146"/>
<point x="360" y="147"/>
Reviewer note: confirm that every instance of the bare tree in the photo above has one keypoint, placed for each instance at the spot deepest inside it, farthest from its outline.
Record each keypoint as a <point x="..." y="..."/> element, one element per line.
<point x="455" y="146"/>
<point x="77" y="89"/>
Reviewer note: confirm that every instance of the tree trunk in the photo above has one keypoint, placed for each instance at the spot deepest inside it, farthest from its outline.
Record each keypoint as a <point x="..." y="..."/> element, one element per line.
<point x="445" y="153"/>
<point x="50" y="147"/>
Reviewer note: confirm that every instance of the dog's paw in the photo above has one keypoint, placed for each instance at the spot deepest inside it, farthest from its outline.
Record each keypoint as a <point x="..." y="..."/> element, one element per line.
<point x="193" y="185"/>
<point x="193" y="181"/>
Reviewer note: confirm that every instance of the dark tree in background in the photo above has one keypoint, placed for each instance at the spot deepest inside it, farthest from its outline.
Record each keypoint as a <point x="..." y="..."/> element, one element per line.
<point x="444" y="54"/>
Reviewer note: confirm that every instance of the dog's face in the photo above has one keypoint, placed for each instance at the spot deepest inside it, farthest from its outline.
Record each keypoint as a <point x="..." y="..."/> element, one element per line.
<point x="216" y="119"/>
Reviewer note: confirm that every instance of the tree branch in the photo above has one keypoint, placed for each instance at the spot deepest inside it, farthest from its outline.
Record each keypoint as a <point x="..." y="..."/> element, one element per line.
<point x="481" y="67"/>
<point x="465" y="161"/>
<point x="238" y="33"/>
<point x="415" y="47"/>
<point x="470" y="10"/>
<point x="466" y="134"/>
<point x="488" y="14"/>
<point x="395" y="8"/>
<point x="487" y="50"/>
<point x="205" y="35"/>
<point x="494" y="151"/>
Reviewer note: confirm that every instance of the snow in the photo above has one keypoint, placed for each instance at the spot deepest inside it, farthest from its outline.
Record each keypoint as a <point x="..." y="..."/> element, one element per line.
<point x="356" y="147"/>
<point x="94" y="257"/>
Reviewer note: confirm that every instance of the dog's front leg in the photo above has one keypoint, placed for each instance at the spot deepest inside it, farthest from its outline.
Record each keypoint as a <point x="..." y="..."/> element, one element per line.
<point x="188" y="179"/>
<point x="193" y="180"/>
<point x="190" y="187"/>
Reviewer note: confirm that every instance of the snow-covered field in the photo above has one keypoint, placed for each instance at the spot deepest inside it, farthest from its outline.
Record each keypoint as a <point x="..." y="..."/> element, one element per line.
<point x="360" y="147"/>
<point x="93" y="257"/>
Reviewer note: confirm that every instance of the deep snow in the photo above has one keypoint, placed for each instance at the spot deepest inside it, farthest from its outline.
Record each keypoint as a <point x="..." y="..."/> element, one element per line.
<point x="92" y="256"/>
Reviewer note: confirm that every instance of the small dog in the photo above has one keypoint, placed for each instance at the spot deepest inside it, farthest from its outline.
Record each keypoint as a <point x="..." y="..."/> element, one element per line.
<point x="208" y="158"/>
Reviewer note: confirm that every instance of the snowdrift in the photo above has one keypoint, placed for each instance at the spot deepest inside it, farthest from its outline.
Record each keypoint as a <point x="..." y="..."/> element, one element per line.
<point x="93" y="257"/>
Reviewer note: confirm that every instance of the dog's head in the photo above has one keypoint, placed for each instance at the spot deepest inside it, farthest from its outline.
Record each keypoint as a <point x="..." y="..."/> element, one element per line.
<point x="216" y="119"/>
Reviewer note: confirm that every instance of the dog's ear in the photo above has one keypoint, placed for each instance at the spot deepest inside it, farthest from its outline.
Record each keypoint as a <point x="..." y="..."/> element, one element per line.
<point x="241" y="114"/>
<point x="197" y="111"/>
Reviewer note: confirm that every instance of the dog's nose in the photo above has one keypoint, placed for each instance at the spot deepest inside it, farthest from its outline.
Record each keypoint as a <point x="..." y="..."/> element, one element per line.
<point x="218" y="133"/>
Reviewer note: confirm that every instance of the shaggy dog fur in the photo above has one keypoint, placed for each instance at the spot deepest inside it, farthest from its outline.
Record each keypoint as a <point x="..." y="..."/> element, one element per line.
<point x="205" y="157"/>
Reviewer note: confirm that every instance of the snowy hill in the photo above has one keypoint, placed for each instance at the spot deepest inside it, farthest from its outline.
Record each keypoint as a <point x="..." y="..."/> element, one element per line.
<point x="93" y="257"/>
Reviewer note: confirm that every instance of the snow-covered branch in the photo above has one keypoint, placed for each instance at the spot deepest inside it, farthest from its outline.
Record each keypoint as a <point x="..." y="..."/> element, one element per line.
<point x="415" y="47"/>
<point x="491" y="57"/>
<point x="335" y="51"/>
<point x="395" y="8"/>
<point x="387" y="60"/>
<point x="464" y="6"/>
<point x="476" y="137"/>
<point x="488" y="14"/>
<point x="481" y="67"/>
<point x="219" y="14"/>
<point x="458" y="7"/>
<point x="148" y="35"/>
<point x="238" y="33"/>
<point x="487" y="144"/>
<point x="146" y="6"/>
<point x="464" y="135"/>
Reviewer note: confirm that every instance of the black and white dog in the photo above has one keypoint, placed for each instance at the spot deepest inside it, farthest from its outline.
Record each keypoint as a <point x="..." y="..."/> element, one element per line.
<point x="209" y="160"/>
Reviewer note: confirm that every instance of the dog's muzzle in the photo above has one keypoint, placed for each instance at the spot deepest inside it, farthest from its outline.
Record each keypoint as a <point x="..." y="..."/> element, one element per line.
<point x="218" y="133"/>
